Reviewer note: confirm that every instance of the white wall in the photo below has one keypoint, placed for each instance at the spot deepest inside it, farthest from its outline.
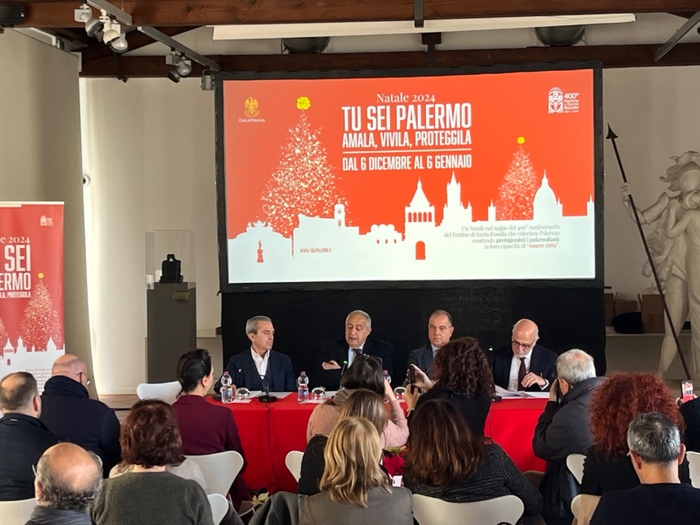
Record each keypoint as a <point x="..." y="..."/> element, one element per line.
<point x="40" y="155"/>
<point x="149" y="149"/>
<point x="656" y="113"/>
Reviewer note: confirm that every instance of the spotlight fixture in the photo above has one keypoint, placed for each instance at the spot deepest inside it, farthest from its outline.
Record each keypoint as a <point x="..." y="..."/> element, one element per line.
<point x="112" y="31"/>
<point x="120" y="45"/>
<point x="84" y="14"/>
<point x="173" y="75"/>
<point x="207" y="80"/>
<point x="183" y="66"/>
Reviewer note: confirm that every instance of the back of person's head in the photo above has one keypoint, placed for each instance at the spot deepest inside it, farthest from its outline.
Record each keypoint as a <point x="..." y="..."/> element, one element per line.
<point x="364" y="372"/>
<point x="441" y="447"/>
<point x="192" y="367"/>
<point x="68" y="477"/>
<point x="17" y="393"/>
<point x="654" y="438"/>
<point x="352" y="457"/>
<point x="575" y="366"/>
<point x="150" y="436"/>
<point x="618" y="400"/>
<point x="368" y="405"/>
<point x="461" y="366"/>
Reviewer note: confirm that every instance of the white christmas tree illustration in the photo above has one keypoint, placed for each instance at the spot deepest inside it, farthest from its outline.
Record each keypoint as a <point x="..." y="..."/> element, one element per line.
<point x="516" y="193"/>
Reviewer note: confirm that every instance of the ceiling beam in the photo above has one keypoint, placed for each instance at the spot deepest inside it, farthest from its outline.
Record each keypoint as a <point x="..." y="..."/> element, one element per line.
<point x="59" y="13"/>
<point x="610" y="56"/>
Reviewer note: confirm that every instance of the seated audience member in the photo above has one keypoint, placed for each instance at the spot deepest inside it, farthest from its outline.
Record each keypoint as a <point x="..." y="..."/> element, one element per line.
<point x="68" y="412"/>
<point x="68" y="478"/>
<point x="655" y="452"/>
<point x="462" y="377"/>
<point x="23" y="437"/>
<point x="260" y="367"/>
<point x="361" y="403"/>
<point x="523" y="364"/>
<point x="365" y="372"/>
<point x="613" y="406"/>
<point x="205" y="428"/>
<point x="354" y="489"/>
<point x="146" y="493"/>
<point x="335" y="356"/>
<point x="439" y="332"/>
<point x="690" y="410"/>
<point x="446" y="460"/>
<point x="563" y="429"/>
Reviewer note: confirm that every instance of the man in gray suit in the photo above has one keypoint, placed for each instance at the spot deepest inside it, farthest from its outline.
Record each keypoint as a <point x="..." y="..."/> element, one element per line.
<point x="439" y="332"/>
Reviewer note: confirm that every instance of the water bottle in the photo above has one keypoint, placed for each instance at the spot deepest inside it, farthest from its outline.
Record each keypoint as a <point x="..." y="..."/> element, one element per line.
<point x="303" y="388"/>
<point x="387" y="376"/>
<point x="226" y="388"/>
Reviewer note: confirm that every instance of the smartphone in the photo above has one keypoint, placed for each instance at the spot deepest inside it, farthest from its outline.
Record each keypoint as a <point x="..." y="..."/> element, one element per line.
<point x="412" y="378"/>
<point x="687" y="391"/>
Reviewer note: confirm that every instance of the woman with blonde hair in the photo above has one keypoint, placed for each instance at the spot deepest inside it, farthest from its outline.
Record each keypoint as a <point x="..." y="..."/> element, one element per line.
<point x="354" y="489"/>
<point x="360" y="403"/>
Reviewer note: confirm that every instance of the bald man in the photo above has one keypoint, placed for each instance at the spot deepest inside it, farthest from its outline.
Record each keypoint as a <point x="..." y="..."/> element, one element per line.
<point x="68" y="478"/>
<point x="523" y="364"/>
<point x="23" y="438"/>
<point x="69" y="412"/>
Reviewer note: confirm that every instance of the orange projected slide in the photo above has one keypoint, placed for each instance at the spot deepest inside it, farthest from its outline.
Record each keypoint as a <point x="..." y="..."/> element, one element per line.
<point x="450" y="177"/>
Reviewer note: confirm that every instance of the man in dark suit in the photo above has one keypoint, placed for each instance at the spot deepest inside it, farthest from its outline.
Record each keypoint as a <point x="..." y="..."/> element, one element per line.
<point x="335" y="356"/>
<point x="523" y="364"/>
<point x="68" y="412"/>
<point x="260" y="367"/>
<point x="439" y="332"/>
<point x="23" y="438"/>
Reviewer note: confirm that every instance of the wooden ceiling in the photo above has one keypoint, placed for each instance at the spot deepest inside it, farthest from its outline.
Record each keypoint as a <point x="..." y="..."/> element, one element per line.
<point x="177" y="16"/>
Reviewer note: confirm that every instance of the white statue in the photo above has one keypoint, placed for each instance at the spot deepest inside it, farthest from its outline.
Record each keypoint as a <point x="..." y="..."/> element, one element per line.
<point x="669" y="254"/>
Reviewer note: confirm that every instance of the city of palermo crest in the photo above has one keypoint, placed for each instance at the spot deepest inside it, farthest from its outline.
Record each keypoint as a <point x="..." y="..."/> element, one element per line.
<point x="251" y="107"/>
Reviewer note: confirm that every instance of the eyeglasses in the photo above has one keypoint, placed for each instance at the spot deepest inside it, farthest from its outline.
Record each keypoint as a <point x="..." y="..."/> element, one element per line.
<point x="87" y="379"/>
<point x="526" y="346"/>
<point x="34" y="470"/>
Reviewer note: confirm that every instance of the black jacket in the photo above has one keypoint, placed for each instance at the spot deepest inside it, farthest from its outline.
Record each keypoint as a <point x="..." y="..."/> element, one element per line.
<point x="563" y="429"/>
<point x="68" y="412"/>
<point x="337" y="350"/>
<point x="243" y="372"/>
<point x="542" y="362"/>
<point x="23" y="439"/>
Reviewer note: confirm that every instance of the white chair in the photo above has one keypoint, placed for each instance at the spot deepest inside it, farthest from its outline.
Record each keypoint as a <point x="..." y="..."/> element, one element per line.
<point x="434" y="511"/>
<point x="16" y="512"/>
<point x="574" y="462"/>
<point x="293" y="462"/>
<point x="219" y="469"/>
<point x="694" y="464"/>
<point x="582" y="507"/>
<point x="164" y="391"/>
<point x="219" y="507"/>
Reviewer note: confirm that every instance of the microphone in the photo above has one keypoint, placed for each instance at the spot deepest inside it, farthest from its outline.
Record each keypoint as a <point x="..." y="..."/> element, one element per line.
<point x="342" y="370"/>
<point x="266" y="398"/>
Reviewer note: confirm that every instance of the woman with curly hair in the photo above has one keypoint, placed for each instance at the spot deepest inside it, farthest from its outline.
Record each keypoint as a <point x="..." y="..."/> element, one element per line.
<point x="613" y="406"/>
<point x="463" y="377"/>
<point x="354" y="489"/>
<point x="445" y="460"/>
<point x="147" y="494"/>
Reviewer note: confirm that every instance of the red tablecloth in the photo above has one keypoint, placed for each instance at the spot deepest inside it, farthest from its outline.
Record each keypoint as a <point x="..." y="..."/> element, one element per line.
<point x="269" y="431"/>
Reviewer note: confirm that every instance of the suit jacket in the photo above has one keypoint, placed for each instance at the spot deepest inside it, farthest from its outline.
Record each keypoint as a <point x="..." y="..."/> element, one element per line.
<point x="542" y="362"/>
<point x="423" y="358"/>
<point x="68" y="412"/>
<point x="23" y="439"/>
<point x="280" y="374"/>
<point x="337" y="351"/>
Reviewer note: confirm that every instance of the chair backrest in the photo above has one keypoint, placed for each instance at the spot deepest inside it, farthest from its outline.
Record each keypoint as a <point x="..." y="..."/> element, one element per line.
<point x="574" y="462"/>
<point x="16" y="512"/>
<point x="434" y="511"/>
<point x="582" y="507"/>
<point x="293" y="462"/>
<point x="694" y="463"/>
<point x="219" y="469"/>
<point x="219" y="507"/>
<point x="164" y="391"/>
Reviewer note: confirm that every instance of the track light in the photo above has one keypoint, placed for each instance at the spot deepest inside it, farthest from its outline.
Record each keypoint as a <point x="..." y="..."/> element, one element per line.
<point x="207" y="80"/>
<point x="183" y="66"/>
<point x="112" y="31"/>
<point x="173" y="75"/>
<point x="83" y="14"/>
<point x="120" y="45"/>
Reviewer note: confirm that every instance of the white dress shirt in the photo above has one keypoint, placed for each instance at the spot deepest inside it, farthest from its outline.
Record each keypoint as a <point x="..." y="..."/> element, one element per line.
<point x="351" y="354"/>
<point x="260" y="361"/>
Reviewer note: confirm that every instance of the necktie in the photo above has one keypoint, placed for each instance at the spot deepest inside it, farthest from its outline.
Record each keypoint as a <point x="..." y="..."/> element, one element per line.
<point x="522" y="372"/>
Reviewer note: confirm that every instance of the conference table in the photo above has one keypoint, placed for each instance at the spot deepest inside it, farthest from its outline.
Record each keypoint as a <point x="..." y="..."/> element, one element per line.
<point x="268" y="431"/>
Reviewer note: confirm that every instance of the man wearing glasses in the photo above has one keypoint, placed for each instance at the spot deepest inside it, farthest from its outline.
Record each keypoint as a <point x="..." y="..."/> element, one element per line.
<point x="523" y="365"/>
<point x="69" y="412"/>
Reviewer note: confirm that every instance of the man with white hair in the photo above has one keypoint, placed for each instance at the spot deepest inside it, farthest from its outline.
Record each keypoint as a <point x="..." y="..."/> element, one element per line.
<point x="335" y="356"/>
<point x="655" y="451"/>
<point x="562" y="430"/>
<point x="68" y="478"/>
<point x="69" y="412"/>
